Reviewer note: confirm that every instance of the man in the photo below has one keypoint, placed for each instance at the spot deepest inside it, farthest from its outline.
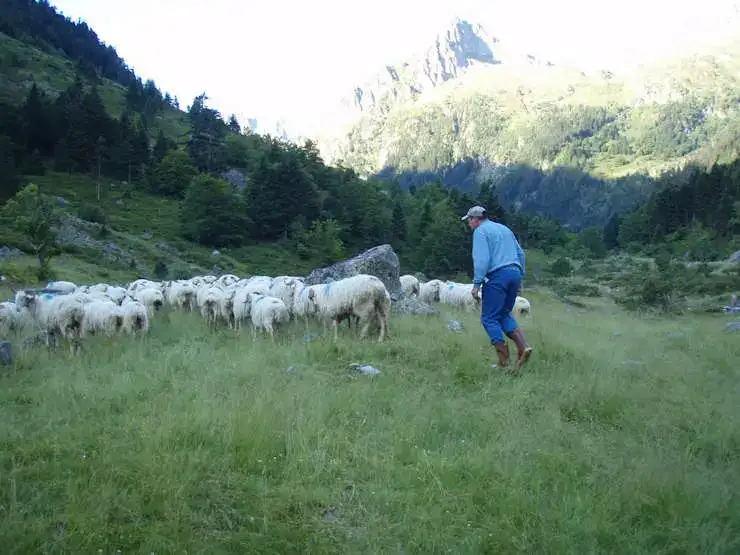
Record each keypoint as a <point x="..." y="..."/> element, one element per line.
<point x="498" y="262"/>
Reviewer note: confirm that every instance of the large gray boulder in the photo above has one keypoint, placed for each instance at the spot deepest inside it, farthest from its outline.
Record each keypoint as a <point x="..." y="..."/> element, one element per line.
<point x="381" y="262"/>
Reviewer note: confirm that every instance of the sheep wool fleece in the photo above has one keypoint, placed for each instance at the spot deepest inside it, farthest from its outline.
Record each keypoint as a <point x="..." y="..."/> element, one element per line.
<point x="498" y="298"/>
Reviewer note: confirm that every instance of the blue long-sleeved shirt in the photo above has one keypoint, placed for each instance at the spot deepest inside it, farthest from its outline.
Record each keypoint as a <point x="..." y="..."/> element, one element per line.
<point x="494" y="246"/>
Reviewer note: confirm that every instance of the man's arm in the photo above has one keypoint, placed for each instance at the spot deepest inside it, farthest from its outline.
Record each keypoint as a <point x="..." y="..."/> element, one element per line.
<point x="481" y="257"/>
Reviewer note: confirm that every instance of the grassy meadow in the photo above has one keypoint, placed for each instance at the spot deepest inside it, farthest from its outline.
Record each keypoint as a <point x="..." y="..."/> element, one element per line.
<point x="622" y="436"/>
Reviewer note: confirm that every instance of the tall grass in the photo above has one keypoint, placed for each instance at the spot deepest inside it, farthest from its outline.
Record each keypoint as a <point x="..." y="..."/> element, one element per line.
<point x="623" y="435"/>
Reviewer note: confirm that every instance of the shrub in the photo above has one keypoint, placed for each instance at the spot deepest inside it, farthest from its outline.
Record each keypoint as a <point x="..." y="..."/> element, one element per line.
<point x="92" y="213"/>
<point x="561" y="267"/>
<point x="160" y="270"/>
<point x="578" y="289"/>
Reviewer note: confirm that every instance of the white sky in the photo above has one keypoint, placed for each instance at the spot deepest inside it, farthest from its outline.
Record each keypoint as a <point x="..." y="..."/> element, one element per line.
<point x="293" y="59"/>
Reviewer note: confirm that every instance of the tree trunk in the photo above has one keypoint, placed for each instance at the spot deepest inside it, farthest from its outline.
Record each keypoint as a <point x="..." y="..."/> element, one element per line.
<point x="98" y="180"/>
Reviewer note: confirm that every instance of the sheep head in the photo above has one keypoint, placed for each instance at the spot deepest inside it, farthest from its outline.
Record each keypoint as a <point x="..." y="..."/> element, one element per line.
<point x="25" y="299"/>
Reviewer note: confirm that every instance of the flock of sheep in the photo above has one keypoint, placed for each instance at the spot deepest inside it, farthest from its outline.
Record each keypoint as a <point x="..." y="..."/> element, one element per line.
<point x="65" y="311"/>
<point x="454" y="294"/>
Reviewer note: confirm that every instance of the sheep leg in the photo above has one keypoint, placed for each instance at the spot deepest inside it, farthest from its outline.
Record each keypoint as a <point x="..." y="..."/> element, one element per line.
<point x="335" y="325"/>
<point x="381" y="325"/>
<point x="254" y="331"/>
<point x="365" y="328"/>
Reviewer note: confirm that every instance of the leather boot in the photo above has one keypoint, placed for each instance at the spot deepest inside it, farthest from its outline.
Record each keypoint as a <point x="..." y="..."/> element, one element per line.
<point x="523" y="349"/>
<point x="502" y="350"/>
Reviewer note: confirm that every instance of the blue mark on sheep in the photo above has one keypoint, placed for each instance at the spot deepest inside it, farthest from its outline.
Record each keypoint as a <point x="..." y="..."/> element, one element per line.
<point x="48" y="296"/>
<point x="451" y="286"/>
<point x="327" y="287"/>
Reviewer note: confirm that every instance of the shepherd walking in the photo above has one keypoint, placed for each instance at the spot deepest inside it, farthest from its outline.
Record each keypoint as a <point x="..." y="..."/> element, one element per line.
<point x="498" y="263"/>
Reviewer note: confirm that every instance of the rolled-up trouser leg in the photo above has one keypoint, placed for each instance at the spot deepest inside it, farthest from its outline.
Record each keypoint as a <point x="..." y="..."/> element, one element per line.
<point x="510" y="278"/>
<point x="493" y="295"/>
<point x="498" y="298"/>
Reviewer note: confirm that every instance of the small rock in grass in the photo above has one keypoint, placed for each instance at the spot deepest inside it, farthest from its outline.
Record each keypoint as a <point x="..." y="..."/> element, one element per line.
<point x="309" y="337"/>
<point x="365" y="369"/>
<point x="330" y="514"/>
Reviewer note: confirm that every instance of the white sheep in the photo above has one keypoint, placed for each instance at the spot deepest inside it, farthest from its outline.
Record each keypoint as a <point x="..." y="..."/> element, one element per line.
<point x="259" y="284"/>
<point x="362" y="296"/>
<point x="410" y="285"/>
<point x="226" y="280"/>
<point x="151" y="298"/>
<point x="459" y="295"/>
<point x="181" y="296"/>
<point x="286" y="288"/>
<point x="522" y="307"/>
<point x="97" y="288"/>
<point x="104" y="317"/>
<point x="59" y="316"/>
<point x="62" y="286"/>
<point x="116" y="294"/>
<point x="429" y="291"/>
<point x="135" y="317"/>
<point x="226" y="307"/>
<point x="240" y="306"/>
<point x="141" y="284"/>
<point x="12" y="317"/>
<point x="266" y="313"/>
<point x="210" y="300"/>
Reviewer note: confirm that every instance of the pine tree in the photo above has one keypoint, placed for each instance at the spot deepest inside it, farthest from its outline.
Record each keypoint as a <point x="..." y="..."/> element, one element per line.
<point x="9" y="182"/>
<point x="39" y="129"/>
<point x="611" y="232"/>
<point x="212" y="215"/>
<point x="233" y="125"/>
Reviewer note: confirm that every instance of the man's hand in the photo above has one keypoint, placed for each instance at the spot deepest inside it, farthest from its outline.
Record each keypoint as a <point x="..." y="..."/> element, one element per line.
<point x="476" y="292"/>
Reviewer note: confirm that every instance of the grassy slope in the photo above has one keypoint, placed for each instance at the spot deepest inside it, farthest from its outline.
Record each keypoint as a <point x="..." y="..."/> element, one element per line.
<point x="131" y="213"/>
<point x="622" y="437"/>
<point x="22" y="64"/>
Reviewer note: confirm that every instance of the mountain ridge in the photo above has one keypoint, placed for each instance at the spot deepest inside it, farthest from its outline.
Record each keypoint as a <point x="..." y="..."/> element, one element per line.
<point x="462" y="46"/>
<point x="519" y="110"/>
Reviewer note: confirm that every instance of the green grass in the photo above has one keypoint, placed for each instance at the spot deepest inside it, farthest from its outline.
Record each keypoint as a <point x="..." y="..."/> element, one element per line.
<point x="199" y="441"/>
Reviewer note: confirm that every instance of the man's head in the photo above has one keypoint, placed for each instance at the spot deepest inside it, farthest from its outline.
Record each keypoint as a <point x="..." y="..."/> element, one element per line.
<point x="475" y="216"/>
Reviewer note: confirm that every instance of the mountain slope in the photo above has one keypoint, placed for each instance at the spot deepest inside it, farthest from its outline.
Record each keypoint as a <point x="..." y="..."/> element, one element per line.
<point x="504" y="108"/>
<point x="22" y="65"/>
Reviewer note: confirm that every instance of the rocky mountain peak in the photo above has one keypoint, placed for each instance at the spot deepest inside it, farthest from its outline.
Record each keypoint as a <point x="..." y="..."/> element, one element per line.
<point x="460" y="46"/>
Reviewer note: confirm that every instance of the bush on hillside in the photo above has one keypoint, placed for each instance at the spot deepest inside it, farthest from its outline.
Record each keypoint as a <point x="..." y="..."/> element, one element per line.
<point x="92" y="213"/>
<point x="212" y="214"/>
<point x="561" y="267"/>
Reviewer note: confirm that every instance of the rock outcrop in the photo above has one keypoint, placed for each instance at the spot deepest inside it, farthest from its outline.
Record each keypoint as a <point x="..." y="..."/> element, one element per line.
<point x="381" y="262"/>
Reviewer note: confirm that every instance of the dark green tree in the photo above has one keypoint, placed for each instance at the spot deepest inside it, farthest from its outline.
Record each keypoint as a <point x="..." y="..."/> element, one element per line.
<point x="610" y="235"/>
<point x="9" y="180"/>
<point x="173" y="174"/>
<point x="212" y="214"/>
<point x="34" y="214"/>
